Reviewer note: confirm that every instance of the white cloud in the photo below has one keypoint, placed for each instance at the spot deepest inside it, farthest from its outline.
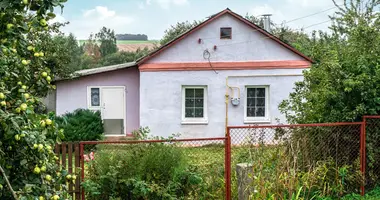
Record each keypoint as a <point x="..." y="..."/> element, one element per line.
<point x="91" y="21"/>
<point x="164" y="4"/>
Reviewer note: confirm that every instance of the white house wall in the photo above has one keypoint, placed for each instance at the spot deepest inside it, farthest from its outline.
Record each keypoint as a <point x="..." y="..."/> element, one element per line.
<point x="246" y="45"/>
<point x="161" y="98"/>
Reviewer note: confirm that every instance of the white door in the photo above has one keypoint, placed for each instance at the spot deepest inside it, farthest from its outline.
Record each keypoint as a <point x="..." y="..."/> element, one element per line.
<point x="113" y="110"/>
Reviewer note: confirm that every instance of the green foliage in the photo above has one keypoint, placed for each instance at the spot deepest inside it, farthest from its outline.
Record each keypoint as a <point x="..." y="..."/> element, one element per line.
<point x="27" y="162"/>
<point x="107" y="40"/>
<point x="342" y="85"/>
<point x="176" y="30"/>
<point x="63" y="53"/>
<point x="142" y="171"/>
<point x="82" y="125"/>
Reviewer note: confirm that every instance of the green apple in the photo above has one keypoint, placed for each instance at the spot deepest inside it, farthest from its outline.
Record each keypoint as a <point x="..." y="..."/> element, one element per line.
<point x="22" y="135"/>
<point x="9" y="26"/>
<point x="48" y="177"/>
<point x="43" y="22"/>
<point x="44" y="74"/>
<point x="18" y="110"/>
<point x="37" y="170"/>
<point x="26" y="96"/>
<point x="30" y="48"/>
<point x="3" y="103"/>
<point x="2" y="95"/>
<point x="24" y="62"/>
<point x="68" y="177"/>
<point x="55" y="197"/>
<point x="43" y="168"/>
<point x="74" y="177"/>
<point x="41" y="198"/>
<point x="23" y="106"/>
<point x="14" y="50"/>
<point x="43" y="124"/>
<point x="36" y="54"/>
<point x="19" y="83"/>
<point x="35" y="146"/>
<point x="5" y="50"/>
<point x="4" y="40"/>
<point x="25" y="2"/>
<point x="40" y="147"/>
<point x="17" y="137"/>
<point x="42" y="54"/>
<point x="48" y="78"/>
<point x="23" y="87"/>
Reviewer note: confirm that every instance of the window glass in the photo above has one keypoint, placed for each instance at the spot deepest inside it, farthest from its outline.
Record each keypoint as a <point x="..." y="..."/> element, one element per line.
<point x="256" y="102"/>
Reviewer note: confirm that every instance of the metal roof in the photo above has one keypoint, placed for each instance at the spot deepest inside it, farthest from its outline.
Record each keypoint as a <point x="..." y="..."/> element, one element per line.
<point x="87" y="72"/>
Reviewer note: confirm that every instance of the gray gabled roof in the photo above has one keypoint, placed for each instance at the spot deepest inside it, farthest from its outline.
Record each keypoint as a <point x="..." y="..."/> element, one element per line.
<point x="87" y="72"/>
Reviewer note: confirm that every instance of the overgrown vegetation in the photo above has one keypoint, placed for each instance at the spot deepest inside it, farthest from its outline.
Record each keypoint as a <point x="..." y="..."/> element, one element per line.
<point x="81" y="125"/>
<point x="28" y="168"/>
<point x="343" y="83"/>
<point x="288" y="171"/>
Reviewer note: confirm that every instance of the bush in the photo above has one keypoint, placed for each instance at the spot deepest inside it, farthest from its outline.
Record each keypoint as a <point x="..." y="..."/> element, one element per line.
<point x="140" y="171"/>
<point x="81" y="125"/>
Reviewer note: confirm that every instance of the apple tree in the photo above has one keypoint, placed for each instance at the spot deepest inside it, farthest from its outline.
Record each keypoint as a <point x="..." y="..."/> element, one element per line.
<point x="28" y="168"/>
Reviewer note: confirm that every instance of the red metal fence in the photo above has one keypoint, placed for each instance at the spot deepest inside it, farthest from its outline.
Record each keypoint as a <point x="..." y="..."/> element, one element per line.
<point x="352" y="148"/>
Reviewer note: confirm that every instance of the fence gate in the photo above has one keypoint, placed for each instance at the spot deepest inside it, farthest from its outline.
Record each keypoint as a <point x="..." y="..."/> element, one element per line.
<point x="69" y="159"/>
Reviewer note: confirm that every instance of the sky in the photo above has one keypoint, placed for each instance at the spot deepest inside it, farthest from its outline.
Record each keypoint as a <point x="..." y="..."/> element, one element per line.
<point x="153" y="17"/>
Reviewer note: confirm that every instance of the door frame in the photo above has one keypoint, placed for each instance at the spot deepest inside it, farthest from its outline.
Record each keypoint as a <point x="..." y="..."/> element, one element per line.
<point x="101" y="104"/>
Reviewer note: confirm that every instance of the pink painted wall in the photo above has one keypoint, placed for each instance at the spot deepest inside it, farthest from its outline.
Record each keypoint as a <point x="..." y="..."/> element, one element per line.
<point x="72" y="94"/>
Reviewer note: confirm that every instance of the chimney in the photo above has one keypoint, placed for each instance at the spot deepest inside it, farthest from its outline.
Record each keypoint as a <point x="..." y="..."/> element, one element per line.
<point x="266" y="20"/>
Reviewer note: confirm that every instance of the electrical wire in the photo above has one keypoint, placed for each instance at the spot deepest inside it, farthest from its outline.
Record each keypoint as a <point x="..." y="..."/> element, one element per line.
<point x="292" y="20"/>
<point x="270" y="37"/>
<point x="207" y="55"/>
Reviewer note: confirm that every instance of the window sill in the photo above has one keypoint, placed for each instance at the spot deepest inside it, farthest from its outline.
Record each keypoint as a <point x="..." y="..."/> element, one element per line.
<point x="258" y="121"/>
<point x="200" y="122"/>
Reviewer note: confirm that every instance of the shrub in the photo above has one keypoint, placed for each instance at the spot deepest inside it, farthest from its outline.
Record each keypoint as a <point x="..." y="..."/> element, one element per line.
<point x="140" y="171"/>
<point x="82" y="125"/>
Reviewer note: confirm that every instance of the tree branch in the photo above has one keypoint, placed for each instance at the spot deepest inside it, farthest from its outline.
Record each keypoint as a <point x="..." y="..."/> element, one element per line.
<point x="8" y="183"/>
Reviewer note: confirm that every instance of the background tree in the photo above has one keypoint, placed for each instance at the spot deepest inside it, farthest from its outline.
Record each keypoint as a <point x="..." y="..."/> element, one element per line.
<point x="107" y="39"/>
<point x="28" y="168"/>
<point x="343" y="83"/>
<point x="63" y="53"/>
<point x="176" y="30"/>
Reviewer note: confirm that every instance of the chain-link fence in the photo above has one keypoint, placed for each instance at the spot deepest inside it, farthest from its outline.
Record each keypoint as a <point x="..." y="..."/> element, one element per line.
<point x="274" y="161"/>
<point x="155" y="169"/>
<point x="289" y="159"/>
<point x="372" y="143"/>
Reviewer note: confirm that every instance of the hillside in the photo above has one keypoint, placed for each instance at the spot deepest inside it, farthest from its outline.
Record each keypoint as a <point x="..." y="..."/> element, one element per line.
<point x="133" y="45"/>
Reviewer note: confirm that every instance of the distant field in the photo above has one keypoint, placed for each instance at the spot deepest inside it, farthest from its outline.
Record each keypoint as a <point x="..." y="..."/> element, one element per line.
<point x="128" y="41"/>
<point x="132" y="45"/>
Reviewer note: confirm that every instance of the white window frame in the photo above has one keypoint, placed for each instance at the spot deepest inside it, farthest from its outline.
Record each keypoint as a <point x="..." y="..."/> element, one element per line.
<point x="203" y="120"/>
<point x="89" y="106"/>
<point x="266" y="118"/>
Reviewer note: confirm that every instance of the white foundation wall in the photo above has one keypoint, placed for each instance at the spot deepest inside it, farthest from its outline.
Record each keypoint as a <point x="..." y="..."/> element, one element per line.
<point x="161" y="98"/>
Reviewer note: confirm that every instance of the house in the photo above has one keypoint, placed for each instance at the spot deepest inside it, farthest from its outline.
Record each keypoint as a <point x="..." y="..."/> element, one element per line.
<point x="182" y="86"/>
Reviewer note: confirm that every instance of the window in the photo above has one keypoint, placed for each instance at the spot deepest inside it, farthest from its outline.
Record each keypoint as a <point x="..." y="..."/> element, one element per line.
<point x="194" y="104"/>
<point x="256" y="107"/>
<point x="226" y="33"/>
<point x="93" y="95"/>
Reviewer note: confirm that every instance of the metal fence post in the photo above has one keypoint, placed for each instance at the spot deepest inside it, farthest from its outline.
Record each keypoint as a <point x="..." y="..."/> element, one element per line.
<point x="363" y="154"/>
<point x="228" y="164"/>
